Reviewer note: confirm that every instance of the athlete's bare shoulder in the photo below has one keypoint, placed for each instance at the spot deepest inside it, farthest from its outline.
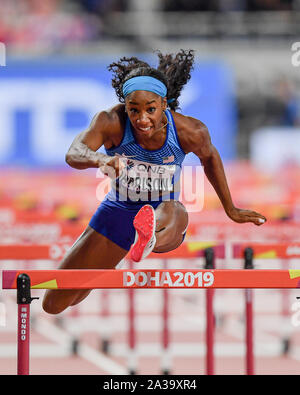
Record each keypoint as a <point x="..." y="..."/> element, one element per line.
<point x="193" y="135"/>
<point x="112" y="119"/>
<point x="118" y="115"/>
<point x="111" y="123"/>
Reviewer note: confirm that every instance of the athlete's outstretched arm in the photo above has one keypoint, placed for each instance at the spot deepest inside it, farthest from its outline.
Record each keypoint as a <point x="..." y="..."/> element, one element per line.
<point x="199" y="142"/>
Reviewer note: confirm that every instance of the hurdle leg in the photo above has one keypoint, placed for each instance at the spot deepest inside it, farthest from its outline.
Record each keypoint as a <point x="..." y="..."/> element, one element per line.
<point x="209" y="332"/>
<point x="132" y="368"/>
<point x="23" y="299"/>
<point x="75" y="341"/>
<point x="105" y="340"/>
<point x="166" y="359"/>
<point x="209" y="264"/>
<point x="248" y="254"/>
<point x="285" y="315"/>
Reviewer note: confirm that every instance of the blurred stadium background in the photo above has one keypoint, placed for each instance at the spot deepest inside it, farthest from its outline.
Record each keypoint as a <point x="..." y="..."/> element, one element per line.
<point x="245" y="87"/>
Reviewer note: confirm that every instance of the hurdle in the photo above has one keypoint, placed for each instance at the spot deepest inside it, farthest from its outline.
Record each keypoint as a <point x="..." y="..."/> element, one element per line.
<point x="287" y="250"/>
<point x="23" y="281"/>
<point x="192" y="249"/>
<point x="53" y="251"/>
<point x="150" y="278"/>
<point x="32" y="252"/>
<point x="56" y="251"/>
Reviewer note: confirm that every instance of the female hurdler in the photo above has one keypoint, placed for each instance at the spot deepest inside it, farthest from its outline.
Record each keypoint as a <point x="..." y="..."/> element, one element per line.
<point x="145" y="145"/>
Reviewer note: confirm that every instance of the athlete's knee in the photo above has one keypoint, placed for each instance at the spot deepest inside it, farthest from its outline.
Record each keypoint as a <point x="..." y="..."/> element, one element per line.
<point x="169" y="242"/>
<point x="165" y="235"/>
<point x="171" y="215"/>
<point x="181" y="211"/>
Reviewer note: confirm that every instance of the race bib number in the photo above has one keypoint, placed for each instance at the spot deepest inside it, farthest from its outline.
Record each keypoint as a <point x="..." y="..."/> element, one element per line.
<point x="143" y="177"/>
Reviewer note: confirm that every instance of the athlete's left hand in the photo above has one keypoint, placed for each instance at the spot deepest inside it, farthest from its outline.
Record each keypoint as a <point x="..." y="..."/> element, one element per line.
<point x="243" y="216"/>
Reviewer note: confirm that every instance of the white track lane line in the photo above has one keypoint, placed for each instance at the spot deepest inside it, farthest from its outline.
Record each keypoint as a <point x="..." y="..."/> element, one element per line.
<point x="52" y="332"/>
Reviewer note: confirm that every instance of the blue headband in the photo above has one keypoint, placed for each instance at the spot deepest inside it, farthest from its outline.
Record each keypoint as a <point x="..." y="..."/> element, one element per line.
<point x="144" y="83"/>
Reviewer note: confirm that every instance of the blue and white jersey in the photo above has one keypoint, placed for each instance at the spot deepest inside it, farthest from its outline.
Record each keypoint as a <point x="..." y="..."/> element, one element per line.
<point x="148" y="175"/>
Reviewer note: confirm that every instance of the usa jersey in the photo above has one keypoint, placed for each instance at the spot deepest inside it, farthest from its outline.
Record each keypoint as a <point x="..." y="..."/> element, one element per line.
<point x="148" y="175"/>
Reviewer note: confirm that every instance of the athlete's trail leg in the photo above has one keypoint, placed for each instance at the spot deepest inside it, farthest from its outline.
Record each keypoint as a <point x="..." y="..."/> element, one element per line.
<point x="90" y="251"/>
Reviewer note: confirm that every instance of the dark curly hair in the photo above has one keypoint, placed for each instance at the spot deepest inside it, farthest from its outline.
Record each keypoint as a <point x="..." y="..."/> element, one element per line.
<point x="173" y="70"/>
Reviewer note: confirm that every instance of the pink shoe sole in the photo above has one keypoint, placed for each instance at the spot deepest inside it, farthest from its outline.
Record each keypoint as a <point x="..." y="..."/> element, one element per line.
<point x="144" y="224"/>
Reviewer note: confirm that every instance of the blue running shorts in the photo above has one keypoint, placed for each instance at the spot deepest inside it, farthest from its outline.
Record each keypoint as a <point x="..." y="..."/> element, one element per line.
<point x="114" y="220"/>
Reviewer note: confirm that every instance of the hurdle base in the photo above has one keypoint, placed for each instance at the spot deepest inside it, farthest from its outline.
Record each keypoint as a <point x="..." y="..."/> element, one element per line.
<point x="105" y="346"/>
<point x="75" y="343"/>
<point x="286" y="346"/>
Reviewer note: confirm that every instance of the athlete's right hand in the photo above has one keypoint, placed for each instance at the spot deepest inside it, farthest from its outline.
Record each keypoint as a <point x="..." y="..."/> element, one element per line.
<point x="111" y="166"/>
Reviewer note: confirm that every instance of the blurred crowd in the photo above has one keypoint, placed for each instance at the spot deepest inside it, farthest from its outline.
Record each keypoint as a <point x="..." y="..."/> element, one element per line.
<point x="35" y="23"/>
<point x="48" y="26"/>
<point x="45" y="24"/>
<point x="29" y="23"/>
